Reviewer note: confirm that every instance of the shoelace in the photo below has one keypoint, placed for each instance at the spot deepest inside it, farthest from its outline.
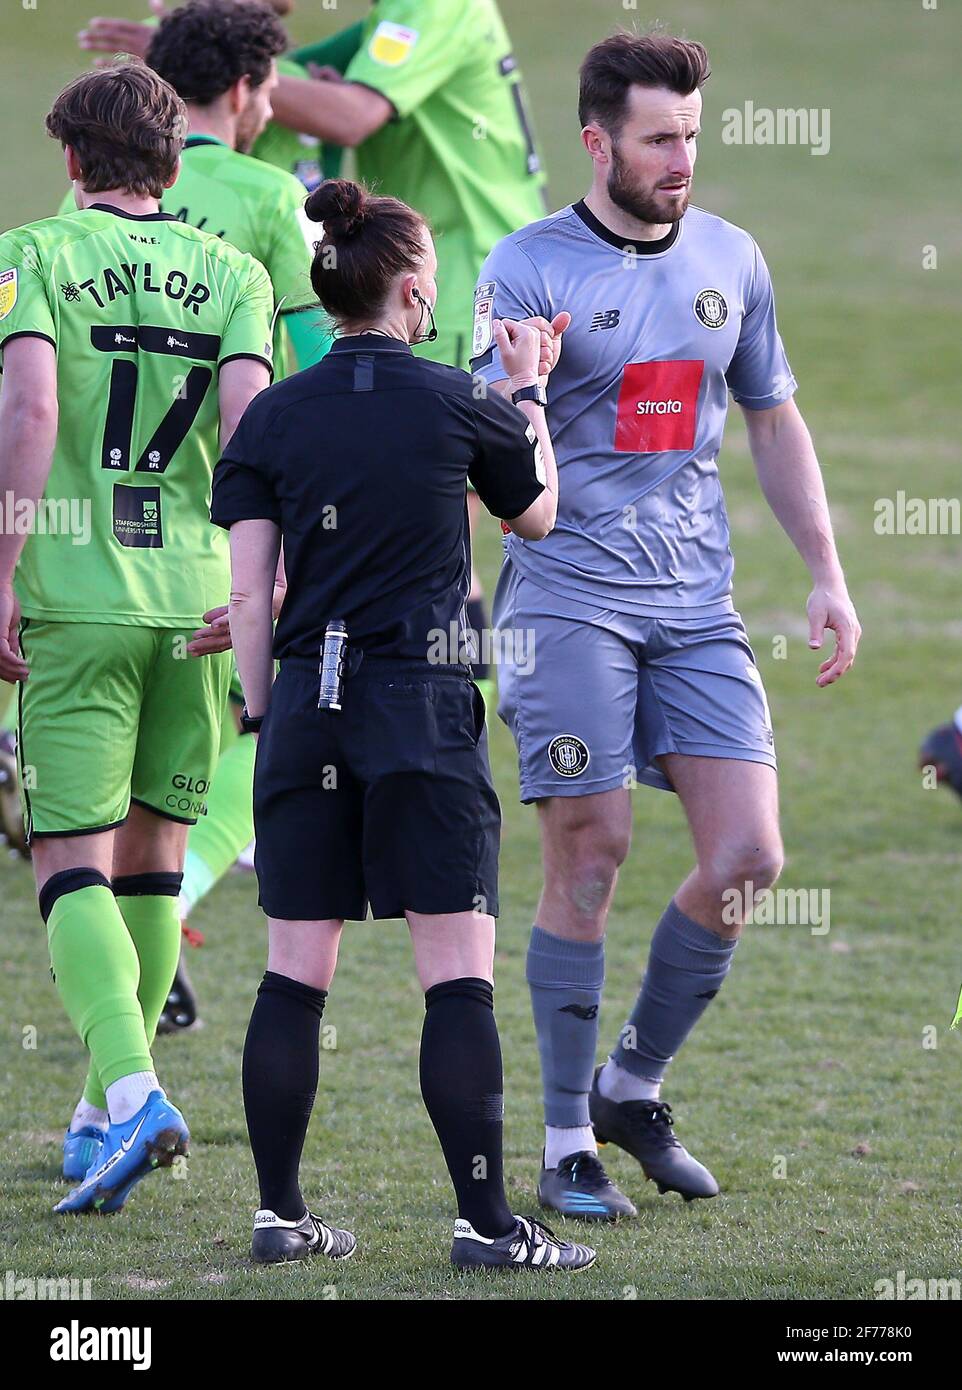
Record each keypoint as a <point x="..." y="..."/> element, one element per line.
<point x="585" y="1169"/>
<point x="657" y="1117"/>
<point x="319" y="1229"/>
<point x="540" y="1234"/>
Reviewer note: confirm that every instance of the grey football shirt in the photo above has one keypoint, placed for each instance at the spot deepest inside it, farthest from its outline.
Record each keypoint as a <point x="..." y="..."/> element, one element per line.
<point x="660" y="333"/>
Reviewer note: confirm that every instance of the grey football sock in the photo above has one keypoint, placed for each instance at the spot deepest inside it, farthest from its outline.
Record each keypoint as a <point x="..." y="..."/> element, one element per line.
<point x="565" y="979"/>
<point x="686" y="966"/>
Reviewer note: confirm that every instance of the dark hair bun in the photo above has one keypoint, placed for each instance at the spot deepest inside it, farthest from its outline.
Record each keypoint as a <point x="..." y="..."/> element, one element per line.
<point x="341" y="205"/>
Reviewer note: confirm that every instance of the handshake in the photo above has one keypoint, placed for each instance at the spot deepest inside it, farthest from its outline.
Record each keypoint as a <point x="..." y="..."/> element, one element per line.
<point x="530" y="348"/>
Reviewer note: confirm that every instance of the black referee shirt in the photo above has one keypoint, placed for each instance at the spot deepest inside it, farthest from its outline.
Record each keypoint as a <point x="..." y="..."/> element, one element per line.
<point x="361" y="460"/>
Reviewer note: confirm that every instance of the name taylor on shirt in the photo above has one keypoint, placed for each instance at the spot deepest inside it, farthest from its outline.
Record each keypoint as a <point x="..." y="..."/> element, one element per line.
<point x="113" y="284"/>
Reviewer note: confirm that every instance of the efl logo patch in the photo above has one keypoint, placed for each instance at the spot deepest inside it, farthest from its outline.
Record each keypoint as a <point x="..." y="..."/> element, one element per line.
<point x="8" y="292"/>
<point x="483" y="335"/>
<point x="657" y="406"/>
<point x="568" y="755"/>
<point x="391" y="43"/>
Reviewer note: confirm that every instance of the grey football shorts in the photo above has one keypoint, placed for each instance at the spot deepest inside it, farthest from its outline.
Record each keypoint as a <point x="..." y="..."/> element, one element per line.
<point x="593" y="697"/>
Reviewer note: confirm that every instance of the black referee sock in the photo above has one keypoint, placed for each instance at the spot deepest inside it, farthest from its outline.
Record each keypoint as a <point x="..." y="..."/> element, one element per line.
<point x="280" y="1080"/>
<point x="461" y="1082"/>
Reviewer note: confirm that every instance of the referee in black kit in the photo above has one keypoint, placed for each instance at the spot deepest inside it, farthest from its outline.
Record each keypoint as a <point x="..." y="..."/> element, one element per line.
<point x="372" y="783"/>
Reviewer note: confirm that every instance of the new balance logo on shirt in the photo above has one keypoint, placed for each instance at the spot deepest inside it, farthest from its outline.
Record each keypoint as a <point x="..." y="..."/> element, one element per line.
<point x="605" y="318"/>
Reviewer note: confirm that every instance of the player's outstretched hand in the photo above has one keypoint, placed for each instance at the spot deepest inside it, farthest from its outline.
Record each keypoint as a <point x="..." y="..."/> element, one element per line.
<point x="12" y="665"/>
<point x="550" y="340"/>
<point x="118" y="35"/>
<point x="215" y="637"/>
<point x="831" y="608"/>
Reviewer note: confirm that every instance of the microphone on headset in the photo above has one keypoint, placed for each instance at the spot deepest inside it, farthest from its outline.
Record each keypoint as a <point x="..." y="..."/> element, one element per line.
<point x="431" y="336"/>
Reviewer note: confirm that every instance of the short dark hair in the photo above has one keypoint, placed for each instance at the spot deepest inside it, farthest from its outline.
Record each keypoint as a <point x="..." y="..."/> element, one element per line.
<point x="626" y="60"/>
<point x="126" y="125"/>
<point x="374" y="239"/>
<point x="203" y="48"/>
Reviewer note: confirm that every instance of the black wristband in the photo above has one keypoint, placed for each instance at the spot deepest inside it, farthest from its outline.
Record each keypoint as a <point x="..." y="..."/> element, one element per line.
<point x="250" y="723"/>
<point x="531" y="393"/>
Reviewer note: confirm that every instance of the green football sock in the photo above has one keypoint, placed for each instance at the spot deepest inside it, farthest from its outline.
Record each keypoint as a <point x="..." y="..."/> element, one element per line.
<point x="218" y="838"/>
<point x="97" y="972"/>
<point x="153" y="921"/>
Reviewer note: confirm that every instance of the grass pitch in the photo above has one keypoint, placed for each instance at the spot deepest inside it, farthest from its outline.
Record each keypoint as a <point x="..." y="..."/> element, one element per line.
<point x="822" y="1085"/>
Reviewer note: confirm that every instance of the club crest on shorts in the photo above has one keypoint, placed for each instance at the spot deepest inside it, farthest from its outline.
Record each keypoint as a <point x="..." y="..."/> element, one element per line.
<point x="710" y="308"/>
<point x="568" y="755"/>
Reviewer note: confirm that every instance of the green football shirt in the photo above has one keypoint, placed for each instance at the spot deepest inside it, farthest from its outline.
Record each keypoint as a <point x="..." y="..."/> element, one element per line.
<point x="461" y="149"/>
<point x="257" y="208"/>
<point x="143" y="312"/>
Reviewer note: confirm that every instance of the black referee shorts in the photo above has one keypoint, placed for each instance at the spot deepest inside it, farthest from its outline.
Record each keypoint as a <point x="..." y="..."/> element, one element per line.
<point x="388" y="801"/>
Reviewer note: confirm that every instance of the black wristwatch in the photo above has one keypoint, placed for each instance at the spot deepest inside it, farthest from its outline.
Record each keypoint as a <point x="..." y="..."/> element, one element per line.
<point x="531" y="393"/>
<point x="250" y="723"/>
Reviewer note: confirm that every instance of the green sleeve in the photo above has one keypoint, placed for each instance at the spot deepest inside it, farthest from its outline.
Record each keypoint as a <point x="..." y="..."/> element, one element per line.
<point x="291" y="249"/>
<point x="24" y="306"/>
<point x="248" y="330"/>
<point x="414" y="49"/>
<point x="333" y="52"/>
<point x="309" y="333"/>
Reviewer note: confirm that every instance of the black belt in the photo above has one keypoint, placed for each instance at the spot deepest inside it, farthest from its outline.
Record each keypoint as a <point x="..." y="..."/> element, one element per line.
<point x="359" y="662"/>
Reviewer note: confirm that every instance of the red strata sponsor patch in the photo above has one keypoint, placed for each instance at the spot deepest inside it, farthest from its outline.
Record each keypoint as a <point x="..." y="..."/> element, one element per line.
<point x="656" y="406"/>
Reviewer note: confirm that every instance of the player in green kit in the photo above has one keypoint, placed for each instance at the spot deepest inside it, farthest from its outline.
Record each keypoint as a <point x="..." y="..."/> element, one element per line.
<point x="219" y="56"/>
<point x="308" y="158"/>
<point x="131" y="345"/>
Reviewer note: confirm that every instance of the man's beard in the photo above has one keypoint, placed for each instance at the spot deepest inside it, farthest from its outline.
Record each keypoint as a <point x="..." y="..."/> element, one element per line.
<point x="247" y="133"/>
<point x="647" y="207"/>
